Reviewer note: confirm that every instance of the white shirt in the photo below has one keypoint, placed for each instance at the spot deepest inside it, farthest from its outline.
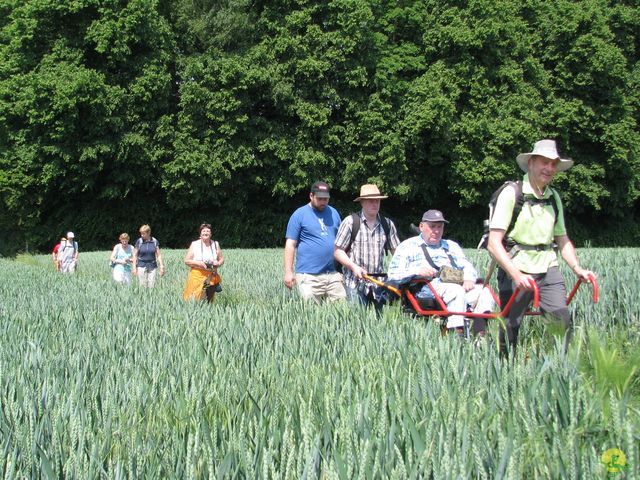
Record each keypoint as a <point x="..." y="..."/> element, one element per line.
<point x="202" y="253"/>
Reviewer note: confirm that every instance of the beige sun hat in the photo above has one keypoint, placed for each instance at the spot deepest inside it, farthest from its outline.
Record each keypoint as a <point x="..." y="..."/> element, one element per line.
<point x="544" y="148"/>
<point x="370" y="191"/>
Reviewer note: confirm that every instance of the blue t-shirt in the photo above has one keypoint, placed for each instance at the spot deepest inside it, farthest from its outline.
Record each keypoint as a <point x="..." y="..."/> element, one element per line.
<point x="315" y="233"/>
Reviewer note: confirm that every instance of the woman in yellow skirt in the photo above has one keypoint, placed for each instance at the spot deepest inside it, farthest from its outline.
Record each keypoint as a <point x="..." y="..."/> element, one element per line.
<point x="203" y="257"/>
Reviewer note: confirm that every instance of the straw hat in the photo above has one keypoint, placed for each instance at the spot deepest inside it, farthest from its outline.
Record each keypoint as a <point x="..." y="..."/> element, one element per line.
<point x="370" y="191"/>
<point x="547" y="149"/>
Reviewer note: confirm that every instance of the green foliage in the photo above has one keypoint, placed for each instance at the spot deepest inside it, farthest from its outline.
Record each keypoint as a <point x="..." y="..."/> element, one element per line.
<point x="221" y="106"/>
<point x="614" y="367"/>
<point x="83" y="89"/>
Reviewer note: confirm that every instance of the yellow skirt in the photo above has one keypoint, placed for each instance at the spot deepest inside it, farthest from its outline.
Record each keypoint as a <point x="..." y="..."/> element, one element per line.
<point x="194" y="288"/>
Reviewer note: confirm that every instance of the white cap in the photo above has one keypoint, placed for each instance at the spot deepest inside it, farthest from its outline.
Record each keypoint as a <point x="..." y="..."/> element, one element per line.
<point x="70" y="235"/>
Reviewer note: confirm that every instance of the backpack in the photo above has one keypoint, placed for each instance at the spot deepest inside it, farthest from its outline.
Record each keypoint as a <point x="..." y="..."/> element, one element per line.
<point x="139" y="243"/>
<point x="73" y="244"/>
<point x="356" y="228"/>
<point x="520" y="201"/>
<point x="354" y="232"/>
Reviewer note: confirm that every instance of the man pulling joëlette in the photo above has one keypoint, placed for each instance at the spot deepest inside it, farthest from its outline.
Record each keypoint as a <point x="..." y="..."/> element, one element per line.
<point x="365" y="254"/>
<point x="533" y="240"/>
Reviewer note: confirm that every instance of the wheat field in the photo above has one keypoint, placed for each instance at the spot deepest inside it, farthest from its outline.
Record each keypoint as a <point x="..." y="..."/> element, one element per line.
<point x="99" y="380"/>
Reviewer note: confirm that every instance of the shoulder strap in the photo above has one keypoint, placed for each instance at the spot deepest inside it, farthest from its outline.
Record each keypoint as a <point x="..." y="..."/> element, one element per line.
<point x="213" y="247"/>
<point x="517" y="207"/>
<point x="355" y="228"/>
<point x="552" y="200"/>
<point x="554" y="204"/>
<point x="445" y="247"/>
<point x="520" y="201"/>
<point x="387" y="229"/>
<point x="425" y="250"/>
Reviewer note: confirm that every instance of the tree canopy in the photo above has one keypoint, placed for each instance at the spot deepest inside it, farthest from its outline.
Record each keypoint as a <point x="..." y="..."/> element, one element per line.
<point x="114" y="113"/>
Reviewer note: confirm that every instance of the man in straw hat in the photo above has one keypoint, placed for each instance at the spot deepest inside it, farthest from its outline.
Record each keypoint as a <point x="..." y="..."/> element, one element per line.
<point x="535" y="234"/>
<point x="311" y="232"/>
<point x="360" y="246"/>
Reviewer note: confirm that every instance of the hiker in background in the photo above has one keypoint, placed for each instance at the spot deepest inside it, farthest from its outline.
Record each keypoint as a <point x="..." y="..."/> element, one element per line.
<point x="311" y="233"/>
<point x="361" y="242"/>
<point x="146" y="258"/>
<point x="537" y="232"/>
<point x="54" y="254"/>
<point x="427" y="255"/>
<point x="122" y="260"/>
<point x="68" y="254"/>
<point x="204" y="257"/>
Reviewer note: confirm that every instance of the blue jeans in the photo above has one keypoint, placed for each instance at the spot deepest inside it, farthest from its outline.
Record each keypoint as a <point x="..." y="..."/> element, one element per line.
<point x="362" y="295"/>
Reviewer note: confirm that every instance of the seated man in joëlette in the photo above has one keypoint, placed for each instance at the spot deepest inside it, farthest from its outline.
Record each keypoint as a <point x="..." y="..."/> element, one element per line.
<point x="426" y="255"/>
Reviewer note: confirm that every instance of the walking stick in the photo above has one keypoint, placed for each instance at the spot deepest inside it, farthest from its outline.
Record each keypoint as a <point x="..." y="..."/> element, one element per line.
<point x="492" y="267"/>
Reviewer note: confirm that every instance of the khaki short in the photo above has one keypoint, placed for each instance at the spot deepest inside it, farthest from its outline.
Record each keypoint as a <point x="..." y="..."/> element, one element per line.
<point x="321" y="286"/>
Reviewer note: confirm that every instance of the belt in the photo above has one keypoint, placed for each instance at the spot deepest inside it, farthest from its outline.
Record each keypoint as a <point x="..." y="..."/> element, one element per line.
<point x="518" y="247"/>
<point x="536" y="248"/>
<point x="327" y="272"/>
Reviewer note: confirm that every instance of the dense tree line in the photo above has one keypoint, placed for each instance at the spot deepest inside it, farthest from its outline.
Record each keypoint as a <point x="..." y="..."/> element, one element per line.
<point x="115" y="113"/>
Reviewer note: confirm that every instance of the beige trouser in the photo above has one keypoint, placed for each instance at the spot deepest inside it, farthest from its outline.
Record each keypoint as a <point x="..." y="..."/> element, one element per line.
<point x="456" y="300"/>
<point x="321" y="286"/>
<point x="147" y="276"/>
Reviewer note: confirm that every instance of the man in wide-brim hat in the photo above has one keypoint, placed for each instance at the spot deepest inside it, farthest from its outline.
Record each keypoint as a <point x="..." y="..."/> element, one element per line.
<point x="532" y="257"/>
<point x="360" y="246"/>
<point x="371" y="192"/>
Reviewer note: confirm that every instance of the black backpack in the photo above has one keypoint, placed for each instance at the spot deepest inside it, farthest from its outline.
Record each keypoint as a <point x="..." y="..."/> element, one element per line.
<point x="356" y="228"/>
<point x="354" y="232"/>
<point x="520" y="201"/>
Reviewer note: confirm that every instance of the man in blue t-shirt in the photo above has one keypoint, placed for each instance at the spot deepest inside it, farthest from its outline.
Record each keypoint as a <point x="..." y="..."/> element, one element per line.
<point x="312" y="232"/>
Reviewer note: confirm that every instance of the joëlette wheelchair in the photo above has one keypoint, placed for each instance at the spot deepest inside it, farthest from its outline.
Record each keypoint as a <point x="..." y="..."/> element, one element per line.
<point x="433" y="307"/>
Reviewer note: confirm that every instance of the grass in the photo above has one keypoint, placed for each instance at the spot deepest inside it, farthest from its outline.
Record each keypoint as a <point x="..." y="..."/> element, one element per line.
<point x="101" y="380"/>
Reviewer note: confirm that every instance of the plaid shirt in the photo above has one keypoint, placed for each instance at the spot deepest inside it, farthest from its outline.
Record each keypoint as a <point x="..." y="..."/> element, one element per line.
<point x="367" y="249"/>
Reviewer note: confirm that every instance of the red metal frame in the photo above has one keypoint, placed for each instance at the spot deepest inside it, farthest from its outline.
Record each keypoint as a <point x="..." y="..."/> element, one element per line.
<point x="443" y="312"/>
